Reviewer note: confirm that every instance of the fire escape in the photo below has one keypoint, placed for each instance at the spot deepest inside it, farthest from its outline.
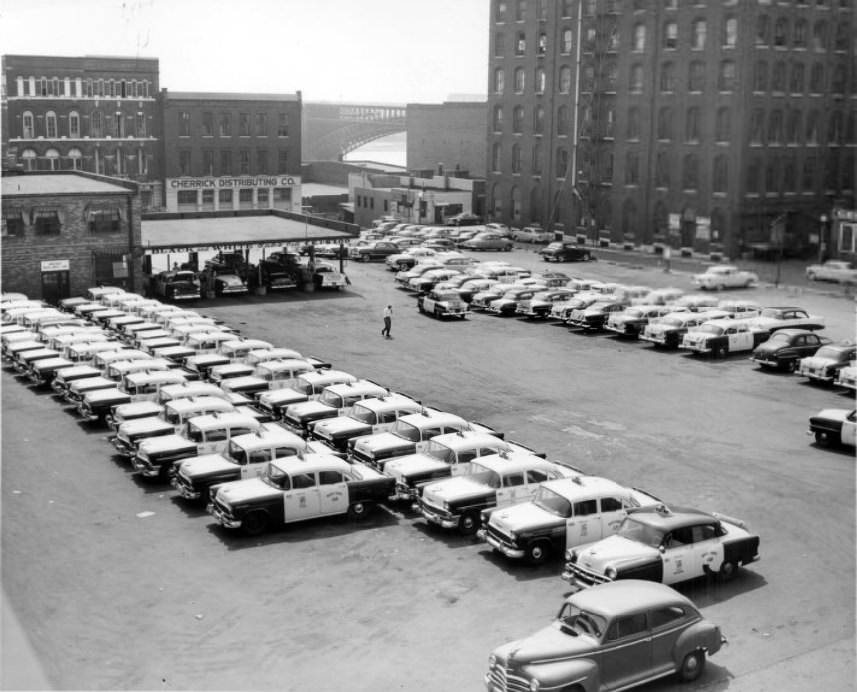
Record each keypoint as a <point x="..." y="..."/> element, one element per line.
<point x="599" y="37"/>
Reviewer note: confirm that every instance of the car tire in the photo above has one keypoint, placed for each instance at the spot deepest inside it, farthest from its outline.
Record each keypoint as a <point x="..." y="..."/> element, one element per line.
<point x="692" y="666"/>
<point x="823" y="438"/>
<point x="546" y="258"/>
<point x="538" y="552"/>
<point x="437" y="314"/>
<point x="810" y="276"/>
<point x="254" y="523"/>
<point x="720" y="352"/>
<point x="728" y="570"/>
<point x="468" y="523"/>
<point x="508" y="248"/>
<point x="420" y="307"/>
<point x="364" y="257"/>
<point x="359" y="510"/>
<point x="791" y="365"/>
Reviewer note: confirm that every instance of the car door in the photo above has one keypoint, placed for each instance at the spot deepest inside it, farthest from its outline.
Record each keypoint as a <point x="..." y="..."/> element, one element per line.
<point x="738" y="339"/>
<point x="678" y="556"/>
<point x="426" y="435"/>
<point x="584" y="524"/>
<point x="626" y="656"/>
<point x="707" y="548"/>
<point x="664" y="629"/>
<point x="254" y="462"/>
<point x="333" y="492"/>
<point x="613" y="512"/>
<point x="512" y="488"/>
<point x="303" y="500"/>
<point x="849" y="429"/>
<point x="214" y="440"/>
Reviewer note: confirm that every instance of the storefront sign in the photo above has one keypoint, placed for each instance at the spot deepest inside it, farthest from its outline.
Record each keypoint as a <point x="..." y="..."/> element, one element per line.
<point x="55" y="265"/>
<point x="703" y="227"/>
<point x="232" y="183"/>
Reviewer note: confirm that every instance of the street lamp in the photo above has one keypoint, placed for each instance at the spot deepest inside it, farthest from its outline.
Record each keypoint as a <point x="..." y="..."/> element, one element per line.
<point x="821" y="233"/>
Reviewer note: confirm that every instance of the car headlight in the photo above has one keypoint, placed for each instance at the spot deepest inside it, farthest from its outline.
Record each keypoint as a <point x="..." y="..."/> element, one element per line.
<point x="571" y="556"/>
<point x="492" y="662"/>
<point x="610" y="573"/>
<point x="445" y="505"/>
<point x="535" y="685"/>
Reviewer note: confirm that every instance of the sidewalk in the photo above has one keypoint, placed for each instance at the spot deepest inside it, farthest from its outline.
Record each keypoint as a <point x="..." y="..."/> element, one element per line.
<point x="21" y="669"/>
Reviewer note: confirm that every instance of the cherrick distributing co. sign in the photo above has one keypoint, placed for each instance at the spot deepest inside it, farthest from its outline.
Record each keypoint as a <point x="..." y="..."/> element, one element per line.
<point x="212" y="183"/>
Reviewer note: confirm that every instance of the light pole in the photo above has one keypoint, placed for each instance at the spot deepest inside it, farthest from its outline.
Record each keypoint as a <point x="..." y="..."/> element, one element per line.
<point x="821" y="233"/>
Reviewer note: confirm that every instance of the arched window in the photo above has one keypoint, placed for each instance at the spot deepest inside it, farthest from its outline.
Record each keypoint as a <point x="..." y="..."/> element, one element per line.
<point x="667" y="77"/>
<point x="499" y="80"/>
<point x="763" y="30"/>
<point x="75" y="157"/>
<point x="772" y="175"/>
<point x="698" y="30"/>
<point x="781" y="31"/>
<point x="819" y="35"/>
<point x="566" y="41"/>
<point x="52" y="156"/>
<point x="841" y="40"/>
<point x="74" y="125"/>
<point x="28" y="122"/>
<point x="693" y="124"/>
<point x="561" y="162"/>
<point x="662" y="169"/>
<point x="517" y="161"/>
<point x="142" y="161"/>
<point x="563" y="120"/>
<point x="723" y="125"/>
<point x="775" y="127"/>
<point x="539" y="120"/>
<point x="816" y="79"/>
<point x="542" y="45"/>
<point x="778" y="78"/>
<point x="696" y="76"/>
<point x="564" y="79"/>
<point x="30" y="158"/>
<point x="730" y="32"/>
<point x="520" y="43"/>
<point x="720" y="176"/>
<point x="812" y="127"/>
<point x="540" y="80"/>
<point x="499" y="44"/>
<point x="660" y="218"/>
<point x="665" y="123"/>
<point x="95" y="127"/>
<point x="51" y="125"/>
<point x="796" y="83"/>
<point x="639" y="41"/>
<point x="496" y="157"/>
<point x="515" y="200"/>
<point x="670" y="34"/>
<point x="498" y="119"/>
<point x="690" y="172"/>
<point x="518" y="120"/>
<point x="497" y="199"/>
<point x="793" y="127"/>
<point x="760" y="76"/>
<point x="727" y="76"/>
<point x="800" y="33"/>
<point x="519" y="80"/>
<point x="538" y="159"/>
<point x="632" y="167"/>
<point x="536" y="204"/>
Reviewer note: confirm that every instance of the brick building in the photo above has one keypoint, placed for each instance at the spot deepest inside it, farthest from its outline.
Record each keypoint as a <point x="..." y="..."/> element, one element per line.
<point x="225" y="152"/>
<point x="447" y="138"/>
<point x="697" y="125"/>
<point x="64" y="231"/>
<point x="95" y="114"/>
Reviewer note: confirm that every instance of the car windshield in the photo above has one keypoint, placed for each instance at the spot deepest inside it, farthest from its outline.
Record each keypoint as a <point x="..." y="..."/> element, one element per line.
<point x="439" y="452"/>
<point x="710" y="329"/>
<point x="273" y="476"/>
<point x="331" y="399"/>
<point x="671" y="321"/>
<point x="552" y="502"/>
<point x="634" y="312"/>
<point x="831" y="352"/>
<point x="302" y="386"/>
<point x="363" y="414"/>
<point x="639" y="532"/>
<point x="407" y="431"/>
<point x="236" y="454"/>
<point x="485" y="476"/>
<point x="770" y="312"/>
<point x="172" y="417"/>
<point x="779" y="336"/>
<point x="573" y="620"/>
<point x="194" y="434"/>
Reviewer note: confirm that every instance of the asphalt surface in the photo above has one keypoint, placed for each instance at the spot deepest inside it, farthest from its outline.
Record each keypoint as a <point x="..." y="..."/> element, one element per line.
<point x="118" y="585"/>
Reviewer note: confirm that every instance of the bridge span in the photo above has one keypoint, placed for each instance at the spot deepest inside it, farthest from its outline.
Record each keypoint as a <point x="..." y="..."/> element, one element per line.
<point x="332" y="130"/>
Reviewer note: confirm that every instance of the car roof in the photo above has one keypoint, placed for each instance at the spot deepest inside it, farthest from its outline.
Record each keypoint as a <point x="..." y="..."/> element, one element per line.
<point x="307" y="463"/>
<point x="430" y="416"/>
<point x="388" y="401"/>
<point x="576" y="487"/>
<point x="627" y="595"/>
<point x="671" y="518"/>
<point x="195" y="403"/>
<point x="504" y="462"/>
<point x="357" y="386"/>
<point x="216" y="420"/>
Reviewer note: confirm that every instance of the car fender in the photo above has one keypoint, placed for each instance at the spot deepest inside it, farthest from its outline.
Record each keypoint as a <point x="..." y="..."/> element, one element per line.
<point x="701" y="635"/>
<point x="562" y="674"/>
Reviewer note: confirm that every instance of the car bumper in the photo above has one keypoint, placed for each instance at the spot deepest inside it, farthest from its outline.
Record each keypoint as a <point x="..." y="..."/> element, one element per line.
<point x="184" y="490"/>
<point x="403" y="492"/>
<point x="87" y="414"/>
<point x="222" y="518"/>
<point x="504" y="548"/>
<point x="145" y="468"/>
<point x="696" y="348"/>
<point x="126" y="449"/>
<point x="447" y="521"/>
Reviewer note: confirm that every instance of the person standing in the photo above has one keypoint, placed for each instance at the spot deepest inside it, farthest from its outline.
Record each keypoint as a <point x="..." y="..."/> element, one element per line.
<point x="388" y="321"/>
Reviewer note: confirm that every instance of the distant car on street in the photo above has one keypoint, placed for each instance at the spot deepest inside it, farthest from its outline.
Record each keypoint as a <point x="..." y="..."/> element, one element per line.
<point x="565" y="252"/>
<point x="531" y="234"/>
<point x="839" y="271"/>
<point x="487" y="241"/>
<point x="464" y="219"/>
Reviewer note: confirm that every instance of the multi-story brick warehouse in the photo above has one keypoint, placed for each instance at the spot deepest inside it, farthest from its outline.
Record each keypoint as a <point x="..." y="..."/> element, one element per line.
<point x="95" y="114"/>
<point x="231" y="151"/>
<point x="699" y="125"/>
<point x="65" y="231"/>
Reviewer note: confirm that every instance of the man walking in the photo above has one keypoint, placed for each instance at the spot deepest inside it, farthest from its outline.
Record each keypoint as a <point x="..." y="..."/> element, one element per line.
<point x="388" y="321"/>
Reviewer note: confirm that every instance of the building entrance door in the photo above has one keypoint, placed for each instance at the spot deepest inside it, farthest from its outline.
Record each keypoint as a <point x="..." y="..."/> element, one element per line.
<point x="55" y="286"/>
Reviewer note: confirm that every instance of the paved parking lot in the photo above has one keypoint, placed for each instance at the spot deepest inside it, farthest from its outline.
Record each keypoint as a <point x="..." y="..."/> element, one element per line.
<point x="120" y="585"/>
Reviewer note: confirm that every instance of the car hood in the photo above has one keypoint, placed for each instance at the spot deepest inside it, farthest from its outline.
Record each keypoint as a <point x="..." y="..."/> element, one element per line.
<point x="380" y="441"/>
<point x="307" y="408"/>
<point x="206" y="464"/>
<point x="613" y="552"/>
<point x="153" y="445"/>
<point x="237" y="492"/>
<point x="767" y="348"/>
<point x="455" y="488"/>
<point x="141" y="426"/>
<point x="525" y="516"/>
<point x="816" y="361"/>
<point x="341" y="424"/>
<point x="548" y="643"/>
<point x="412" y="464"/>
<point x="282" y="397"/>
<point x="837" y="414"/>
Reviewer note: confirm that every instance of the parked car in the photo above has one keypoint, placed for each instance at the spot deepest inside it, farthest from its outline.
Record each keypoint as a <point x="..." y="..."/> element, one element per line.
<point x="847" y="376"/>
<point x="507" y="304"/>
<point x="443" y="303"/>
<point x="487" y="241"/>
<point x="612" y="637"/>
<point x="374" y="250"/>
<point x="664" y="544"/>
<point x="495" y="480"/>
<point x="464" y="219"/>
<point x="542" y="301"/>
<point x="595" y="316"/>
<point x="296" y="489"/>
<point x="560" y="251"/>
<point x="719" y="338"/>
<point x="839" y="271"/>
<point x="740" y="308"/>
<point x="775" y="318"/>
<point x="786" y="347"/>
<point x="723" y="276"/>
<point x="564" y="513"/>
<point x="325" y="275"/>
<point x="834" y="426"/>
<point x="366" y="417"/>
<point x="667" y="331"/>
<point x="228" y="284"/>
<point x="403" y="261"/>
<point x="531" y="234"/>
<point x="335" y="400"/>
<point x="633" y="320"/>
<point x="177" y="285"/>
<point x="430" y="279"/>
<point x="826" y="362"/>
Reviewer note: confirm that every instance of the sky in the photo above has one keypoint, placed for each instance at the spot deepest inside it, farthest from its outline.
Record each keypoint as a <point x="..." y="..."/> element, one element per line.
<point x="365" y="51"/>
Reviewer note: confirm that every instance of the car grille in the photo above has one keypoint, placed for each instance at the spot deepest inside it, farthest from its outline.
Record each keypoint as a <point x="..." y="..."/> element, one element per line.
<point x="585" y="576"/>
<point x="500" y="537"/>
<point x="502" y="679"/>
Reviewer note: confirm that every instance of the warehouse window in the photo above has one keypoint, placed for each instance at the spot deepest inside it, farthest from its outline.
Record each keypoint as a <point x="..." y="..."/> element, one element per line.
<point x="243" y="124"/>
<point x="29" y="128"/>
<point x="74" y="124"/>
<point x="184" y="124"/>
<point x="95" y="124"/>
<point x="225" y="162"/>
<point x="75" y="157"/>
<point x="184" y="162"/>
<point x="262" y="161"/>
<point x="225" y="125"/>
<point x="104" y="219"/>
<point x="244" y="161"/>
<point x="13" y="222"/>
<point x="225" y="197"/>
<point x="208" y="124"/>
<point x="282" y="161"/>
<point x="261" y="124"/>
<point x="51" y="125"/>
<point x="283" y="125"/>
<point x="46" y="221"/>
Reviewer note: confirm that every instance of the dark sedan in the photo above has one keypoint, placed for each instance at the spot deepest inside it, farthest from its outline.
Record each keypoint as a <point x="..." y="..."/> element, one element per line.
<point x="786" y="347"/>
<point x="565" y="252"/>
